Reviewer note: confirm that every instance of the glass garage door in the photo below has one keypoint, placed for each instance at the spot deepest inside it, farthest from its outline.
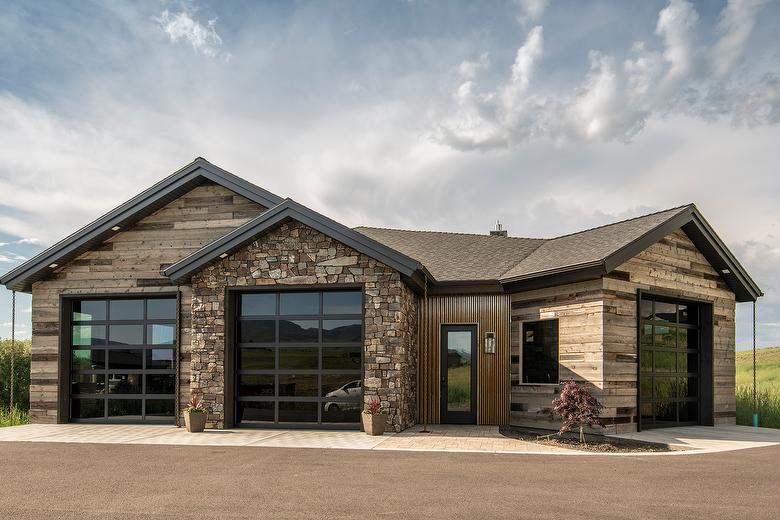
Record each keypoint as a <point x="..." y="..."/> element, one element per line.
<point x="299" y="358"/>
<point x="122" y="360"/>
<point x="669" y="384"/>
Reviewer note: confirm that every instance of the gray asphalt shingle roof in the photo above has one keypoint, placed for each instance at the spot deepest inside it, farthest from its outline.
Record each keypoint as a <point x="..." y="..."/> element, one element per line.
<point x="456" y="256"/>
<point x="462" y="256"/>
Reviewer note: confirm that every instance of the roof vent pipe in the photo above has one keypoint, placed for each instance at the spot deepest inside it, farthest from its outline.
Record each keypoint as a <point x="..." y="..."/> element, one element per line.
<point x="499" y="231"/>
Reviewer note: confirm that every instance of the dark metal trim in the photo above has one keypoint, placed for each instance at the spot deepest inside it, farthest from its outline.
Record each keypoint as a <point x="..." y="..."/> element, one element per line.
<point x="289" y="209"/>
<point x="466" y="287"/>
<point x="705" y="353"/>
<point x="446" y="417"/>
<point x="581" y="274"/>
<point x="149" y="200"/>
<point x="64" y="348"/>
<point x="231" y="347"/>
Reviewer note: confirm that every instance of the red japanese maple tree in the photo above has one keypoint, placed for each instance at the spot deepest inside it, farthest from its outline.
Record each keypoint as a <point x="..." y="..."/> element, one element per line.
<point x="577" y="406"/>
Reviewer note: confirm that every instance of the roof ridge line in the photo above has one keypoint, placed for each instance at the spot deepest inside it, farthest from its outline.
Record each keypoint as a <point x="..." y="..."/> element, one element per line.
<point x="623" y="221"/>
<point x="445" y="232"/>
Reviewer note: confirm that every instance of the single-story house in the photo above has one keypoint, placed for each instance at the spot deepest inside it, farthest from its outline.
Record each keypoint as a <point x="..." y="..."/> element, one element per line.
<point x="280" y="316"/>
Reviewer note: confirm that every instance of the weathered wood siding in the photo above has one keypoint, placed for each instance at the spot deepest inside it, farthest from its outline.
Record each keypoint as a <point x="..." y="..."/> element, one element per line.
<point x="130" y="262"/>
<point x="598" y="332"/>
<point x="675" y="267"/>
<point x="491" y="314"/>
<point x="579" y="310"/>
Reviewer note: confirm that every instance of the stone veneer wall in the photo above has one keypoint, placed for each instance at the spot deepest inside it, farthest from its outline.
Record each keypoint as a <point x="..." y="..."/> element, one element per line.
<point x="296" y="254"/>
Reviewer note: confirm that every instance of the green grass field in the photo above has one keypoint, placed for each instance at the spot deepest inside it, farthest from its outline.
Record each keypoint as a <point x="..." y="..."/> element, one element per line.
<point x="768" y="385"/>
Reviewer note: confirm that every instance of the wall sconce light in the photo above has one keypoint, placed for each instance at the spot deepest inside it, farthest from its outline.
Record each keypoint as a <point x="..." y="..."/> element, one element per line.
<point x="490" y="343"/>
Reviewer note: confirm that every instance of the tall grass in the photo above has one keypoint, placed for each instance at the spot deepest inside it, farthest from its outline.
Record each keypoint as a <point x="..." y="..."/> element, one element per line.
<point x="21" y="374"/>
<point x="12" y="417"/>
<point x="768" y="387"/>
<point x="768" y="406"/>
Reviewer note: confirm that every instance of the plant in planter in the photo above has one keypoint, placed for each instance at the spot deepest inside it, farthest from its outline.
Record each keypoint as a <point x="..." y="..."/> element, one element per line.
<point x="195" y="415"/>
<point x="374" y="418"/>
<point x="577" y="406"/>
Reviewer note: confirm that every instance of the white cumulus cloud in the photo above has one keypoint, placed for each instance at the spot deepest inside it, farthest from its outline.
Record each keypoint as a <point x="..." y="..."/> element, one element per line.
<point x="614" y="100"/>
<point x="184" y="27"/>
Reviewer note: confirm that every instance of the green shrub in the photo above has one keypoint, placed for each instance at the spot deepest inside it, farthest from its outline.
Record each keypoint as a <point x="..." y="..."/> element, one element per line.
<point x="21" y="374"/>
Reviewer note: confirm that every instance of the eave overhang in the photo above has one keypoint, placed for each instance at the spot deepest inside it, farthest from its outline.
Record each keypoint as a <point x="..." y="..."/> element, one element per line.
<point x="144" y="204"/>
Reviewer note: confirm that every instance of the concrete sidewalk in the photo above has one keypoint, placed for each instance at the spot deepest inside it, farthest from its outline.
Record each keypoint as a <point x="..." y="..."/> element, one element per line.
<point x="706" y="439"/>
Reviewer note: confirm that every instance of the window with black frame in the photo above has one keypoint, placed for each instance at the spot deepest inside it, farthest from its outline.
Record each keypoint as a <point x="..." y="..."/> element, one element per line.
<point x="540" y="352"/>
<point x="122" y="359"/>
<point x="299" y="357"/>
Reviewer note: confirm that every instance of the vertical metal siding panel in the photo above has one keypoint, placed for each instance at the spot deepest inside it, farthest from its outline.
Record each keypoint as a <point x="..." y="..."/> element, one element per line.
<point x="491" y="314"/>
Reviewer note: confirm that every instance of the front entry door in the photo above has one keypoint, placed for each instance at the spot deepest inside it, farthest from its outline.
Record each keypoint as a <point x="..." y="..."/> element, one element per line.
<point x="458" y="374"/>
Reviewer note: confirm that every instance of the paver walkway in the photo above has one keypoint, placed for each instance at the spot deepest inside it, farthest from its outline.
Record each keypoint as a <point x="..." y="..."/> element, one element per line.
<point x="441" y="438"/>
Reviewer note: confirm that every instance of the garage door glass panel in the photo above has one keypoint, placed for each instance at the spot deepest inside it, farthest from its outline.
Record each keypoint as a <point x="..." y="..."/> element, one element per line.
<point x="257" y="331"/>
<point x="669" y="384"/>
<point x="299" y="303"/>
<point x="83" y="359"/>
<point x="158" y="334"/>
<point x="90" y="310"/>
<point x="309" y="371"/>
<point x="160" y="383"/>
<point x="258" y="304"/>
<point x="116" y="361"/>
<point x="160" y="358"/>
<point x="125" y="408"/>
<point x="160" y="407"/>
<point x="88" y="335"/>
<point x="124" y="383"/>
<point x="87" y="384"/>
<point x="262" y="411"/>
<point x="257" y="359"/>
<point x="299" y="358"/>
<point x="338" y="358"/>
<point x="341" y="331"/>
<point x="125" y="359"/>
<point x="298" y="331"/>
<point x="125" y="334"/>
<point x="342" y="302"/>
<point x="161" y="309"/>
<point x="87" y="408"/>
<point x="293" y="411"/>
<point x="250" y="385"/>
<point x="296" y="385"/>
<point x="126" y="310"/>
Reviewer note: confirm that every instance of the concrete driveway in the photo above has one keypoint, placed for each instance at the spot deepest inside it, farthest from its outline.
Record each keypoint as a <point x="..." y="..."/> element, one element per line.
<point x="79" y="480"/>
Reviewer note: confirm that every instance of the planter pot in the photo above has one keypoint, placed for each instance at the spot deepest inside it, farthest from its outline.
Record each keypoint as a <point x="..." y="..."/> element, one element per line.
<point x="374" y="424"/>
<point x="195" y="422"/>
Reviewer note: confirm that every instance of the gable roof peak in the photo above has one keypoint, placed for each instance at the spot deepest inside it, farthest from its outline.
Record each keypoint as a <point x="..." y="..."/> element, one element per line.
<point x="145" y="203"/>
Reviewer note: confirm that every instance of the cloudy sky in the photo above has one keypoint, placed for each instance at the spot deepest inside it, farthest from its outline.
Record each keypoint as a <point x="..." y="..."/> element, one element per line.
<point x="551" y="115"/>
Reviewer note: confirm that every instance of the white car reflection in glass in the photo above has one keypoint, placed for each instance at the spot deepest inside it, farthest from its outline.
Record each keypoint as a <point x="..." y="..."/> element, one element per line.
<point x="349" y="391"/>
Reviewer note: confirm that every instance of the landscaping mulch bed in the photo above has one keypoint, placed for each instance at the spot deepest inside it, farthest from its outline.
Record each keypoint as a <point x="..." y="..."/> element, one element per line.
<point x="595" y="443"/>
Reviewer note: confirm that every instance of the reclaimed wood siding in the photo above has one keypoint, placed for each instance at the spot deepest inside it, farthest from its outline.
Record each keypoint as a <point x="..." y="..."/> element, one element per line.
<point x="579" y="310"/>
<point x="130" y="263"/>
<point x="491" y="314"/>
<point x="677" y="268"/>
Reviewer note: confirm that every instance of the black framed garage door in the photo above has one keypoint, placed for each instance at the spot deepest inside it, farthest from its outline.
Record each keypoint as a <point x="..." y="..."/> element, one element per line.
<point x="121" y="362"/>
<point x="670" y="360"/>
<point x="299" y="358"/>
